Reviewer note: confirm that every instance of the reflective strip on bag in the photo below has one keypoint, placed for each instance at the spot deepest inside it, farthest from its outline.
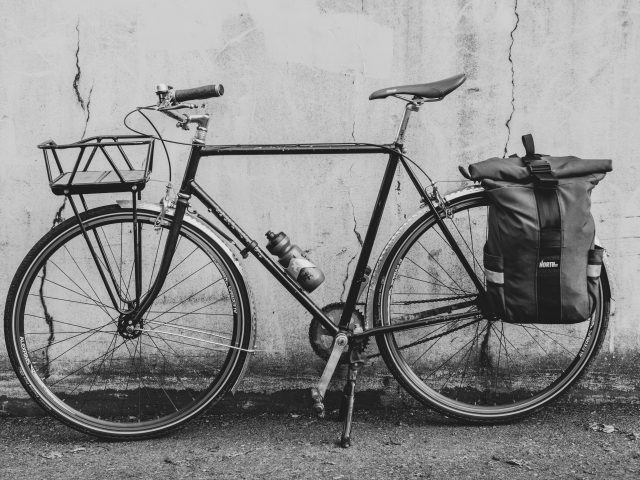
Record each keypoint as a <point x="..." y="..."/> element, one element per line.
<point x="495" y="277"/>
<point x="593" y="270"/>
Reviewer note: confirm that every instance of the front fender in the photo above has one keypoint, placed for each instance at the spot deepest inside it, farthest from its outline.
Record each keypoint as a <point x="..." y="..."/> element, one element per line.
<point x="189" y="218"/>
<point x="194" y="222"/>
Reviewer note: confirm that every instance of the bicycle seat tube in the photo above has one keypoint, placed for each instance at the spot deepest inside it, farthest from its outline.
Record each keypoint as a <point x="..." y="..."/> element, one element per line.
<point x="414" y="106"/>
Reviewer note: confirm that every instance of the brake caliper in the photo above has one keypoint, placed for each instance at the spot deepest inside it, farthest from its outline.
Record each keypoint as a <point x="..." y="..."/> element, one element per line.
<point x="167" y="202"/>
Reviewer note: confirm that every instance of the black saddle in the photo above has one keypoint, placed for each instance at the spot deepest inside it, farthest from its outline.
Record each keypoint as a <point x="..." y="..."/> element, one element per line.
<point x="433" y="91"/>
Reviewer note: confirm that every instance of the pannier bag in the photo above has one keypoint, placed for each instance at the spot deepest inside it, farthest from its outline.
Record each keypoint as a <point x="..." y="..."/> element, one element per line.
<point x="541" y="264"/>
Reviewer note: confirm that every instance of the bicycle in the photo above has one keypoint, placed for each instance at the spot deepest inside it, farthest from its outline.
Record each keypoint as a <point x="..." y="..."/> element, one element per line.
<point x="148" y="318"/>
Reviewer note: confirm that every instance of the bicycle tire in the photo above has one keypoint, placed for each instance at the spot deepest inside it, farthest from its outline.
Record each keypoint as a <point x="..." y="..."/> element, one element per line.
<point x="454" y="368"/>
<point x="180" y="363"/>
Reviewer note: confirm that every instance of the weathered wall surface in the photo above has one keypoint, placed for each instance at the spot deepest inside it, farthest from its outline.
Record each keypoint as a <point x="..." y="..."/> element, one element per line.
<point x="300" y="71"/>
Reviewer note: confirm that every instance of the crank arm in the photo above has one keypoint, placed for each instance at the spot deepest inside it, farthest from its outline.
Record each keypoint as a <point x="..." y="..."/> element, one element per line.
<point x="340" y="342"/>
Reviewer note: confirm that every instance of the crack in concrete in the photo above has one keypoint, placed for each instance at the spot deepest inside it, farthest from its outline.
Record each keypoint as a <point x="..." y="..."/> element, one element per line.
<point x="355" y="223"/>
<point x="358" y="237"/>
<point x="85" y="105"/>
<point x="57" y="219"/>
<point x="88" y="110"/>
<point x="353" y="131"/>
<point x="76" y="79"/>
<point x="346" y="277"/>
<point x="513" y="85"/>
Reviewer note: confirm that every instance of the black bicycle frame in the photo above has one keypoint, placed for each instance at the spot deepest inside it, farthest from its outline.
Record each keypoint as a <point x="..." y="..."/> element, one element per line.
<point x="190" y="188"/>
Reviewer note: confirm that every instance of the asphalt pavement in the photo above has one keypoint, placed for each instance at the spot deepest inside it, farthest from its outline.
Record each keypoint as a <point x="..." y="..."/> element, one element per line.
<point x="566" y="440"/>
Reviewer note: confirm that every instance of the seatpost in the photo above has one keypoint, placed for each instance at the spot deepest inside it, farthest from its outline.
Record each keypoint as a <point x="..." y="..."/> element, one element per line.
<point x="411" y="107"/>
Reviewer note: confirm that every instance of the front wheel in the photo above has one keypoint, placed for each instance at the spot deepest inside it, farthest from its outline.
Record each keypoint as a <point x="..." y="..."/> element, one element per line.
<point x="74" y="352"/>
<point x="472" y="368"/>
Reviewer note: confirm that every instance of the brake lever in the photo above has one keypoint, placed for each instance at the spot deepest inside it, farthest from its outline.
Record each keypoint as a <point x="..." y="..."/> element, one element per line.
<point x="183" y="119"/>
<point x="178" y="106"/>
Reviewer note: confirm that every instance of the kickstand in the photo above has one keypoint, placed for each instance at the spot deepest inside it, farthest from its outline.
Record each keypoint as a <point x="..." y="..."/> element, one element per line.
<point x="356" y="361"/>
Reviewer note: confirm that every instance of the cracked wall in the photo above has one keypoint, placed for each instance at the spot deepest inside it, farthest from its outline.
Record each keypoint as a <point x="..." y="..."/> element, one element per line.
<point x="301" y="71"/>
<point x="513" y="77"/>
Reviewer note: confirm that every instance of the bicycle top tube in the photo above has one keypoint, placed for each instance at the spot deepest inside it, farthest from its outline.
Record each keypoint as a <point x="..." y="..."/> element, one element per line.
<point x="295" y="149"/>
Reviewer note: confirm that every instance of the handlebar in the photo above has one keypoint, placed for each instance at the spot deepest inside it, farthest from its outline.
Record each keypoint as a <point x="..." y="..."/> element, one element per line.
<point x="170" y="100"/>
<point x="198" y="93"/>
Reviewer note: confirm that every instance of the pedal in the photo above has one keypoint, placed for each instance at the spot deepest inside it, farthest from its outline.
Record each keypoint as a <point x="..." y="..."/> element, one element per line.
<point x="318" y="392"/>
<point x="318" y="405"/>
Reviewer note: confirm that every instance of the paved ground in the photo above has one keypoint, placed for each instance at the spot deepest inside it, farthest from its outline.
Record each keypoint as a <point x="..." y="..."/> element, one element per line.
<point x="563" y="441"/>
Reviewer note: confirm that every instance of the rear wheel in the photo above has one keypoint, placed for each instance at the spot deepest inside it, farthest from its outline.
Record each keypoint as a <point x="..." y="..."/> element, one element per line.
<point x="472" y="368"/>
<point x="66" y="340"/>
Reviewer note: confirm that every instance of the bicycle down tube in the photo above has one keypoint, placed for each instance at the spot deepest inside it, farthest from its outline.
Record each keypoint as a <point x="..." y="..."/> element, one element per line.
<point x="190" y="187"/>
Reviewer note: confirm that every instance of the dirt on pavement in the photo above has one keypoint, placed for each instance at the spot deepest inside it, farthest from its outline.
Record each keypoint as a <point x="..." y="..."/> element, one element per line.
<point x="563" y="441"/>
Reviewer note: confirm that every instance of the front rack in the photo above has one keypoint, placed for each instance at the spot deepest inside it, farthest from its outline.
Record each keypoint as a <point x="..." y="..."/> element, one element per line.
<point x="117" y="173"/>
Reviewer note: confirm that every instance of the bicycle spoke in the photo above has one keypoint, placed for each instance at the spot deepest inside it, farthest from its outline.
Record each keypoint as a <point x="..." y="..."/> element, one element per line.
<point x="571" y="354"/>
<point x="83" y="274"/>
<point x="441" y="267"/>
<point x="186" y="299"/>
<point x="94" y="330"/>
<point x="183" y="280"/>
<point x="102" y="306"/>
<point x="67" y="300"/>
<point x="186" y="389"/>
<point x="157" y="334"/>
<point x="82" y="367"/>
<point x="189" y="329"/>
<point x="115" y="336"/>
<point x="428" y="283"/>
<point x="542" y="348"/>
<point x="448" y="287"/>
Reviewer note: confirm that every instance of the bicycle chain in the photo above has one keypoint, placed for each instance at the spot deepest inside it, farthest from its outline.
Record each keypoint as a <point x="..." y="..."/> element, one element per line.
<point x="423" y="340"/>
<point x="411" y="302"/>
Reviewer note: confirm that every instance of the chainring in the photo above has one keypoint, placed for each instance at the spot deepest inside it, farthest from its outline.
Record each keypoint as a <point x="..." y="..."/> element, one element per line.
<point x="320" y="338"/>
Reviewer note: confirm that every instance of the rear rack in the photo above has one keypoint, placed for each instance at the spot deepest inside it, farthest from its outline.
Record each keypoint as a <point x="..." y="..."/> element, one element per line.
<point x="110" y="178"/>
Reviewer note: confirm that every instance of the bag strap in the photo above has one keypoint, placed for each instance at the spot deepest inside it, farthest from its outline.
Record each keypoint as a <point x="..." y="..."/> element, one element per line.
<point x="529" y="147"/>
<point x="548" y="299"/>
<point x="539" y="168"/>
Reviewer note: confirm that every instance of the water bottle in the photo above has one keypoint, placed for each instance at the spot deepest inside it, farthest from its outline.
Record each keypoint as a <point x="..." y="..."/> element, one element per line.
<point x="295" y="262"/>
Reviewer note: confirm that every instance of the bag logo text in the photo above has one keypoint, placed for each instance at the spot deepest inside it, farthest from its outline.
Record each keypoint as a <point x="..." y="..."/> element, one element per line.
<point x="548" y="264"/>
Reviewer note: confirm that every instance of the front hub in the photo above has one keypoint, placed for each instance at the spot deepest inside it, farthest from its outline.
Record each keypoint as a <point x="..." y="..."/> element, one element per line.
<point x="129" y="326"/>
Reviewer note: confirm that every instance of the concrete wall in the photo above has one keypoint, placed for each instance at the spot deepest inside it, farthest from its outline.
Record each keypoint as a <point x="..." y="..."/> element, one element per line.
<point x="300" y="71"/>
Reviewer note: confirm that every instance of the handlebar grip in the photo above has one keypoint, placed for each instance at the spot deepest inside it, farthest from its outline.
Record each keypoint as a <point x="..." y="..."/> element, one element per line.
<point x="198" y="93"/>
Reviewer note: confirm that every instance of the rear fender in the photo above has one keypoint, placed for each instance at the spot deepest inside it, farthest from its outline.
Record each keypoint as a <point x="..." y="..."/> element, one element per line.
<point x="415" y="217"/>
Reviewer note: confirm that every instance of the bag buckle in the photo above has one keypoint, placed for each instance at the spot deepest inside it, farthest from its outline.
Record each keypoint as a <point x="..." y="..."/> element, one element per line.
<point x="542" y="174"/>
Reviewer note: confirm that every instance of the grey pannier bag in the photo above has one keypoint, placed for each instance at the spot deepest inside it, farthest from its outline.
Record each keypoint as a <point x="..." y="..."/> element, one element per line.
<point x="541" y="264"/>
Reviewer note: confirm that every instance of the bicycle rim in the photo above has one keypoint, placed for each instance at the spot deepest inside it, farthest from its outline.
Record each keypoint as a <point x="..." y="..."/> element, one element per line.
<point x="471" y="368"/>
<point x="62" y="329"/>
